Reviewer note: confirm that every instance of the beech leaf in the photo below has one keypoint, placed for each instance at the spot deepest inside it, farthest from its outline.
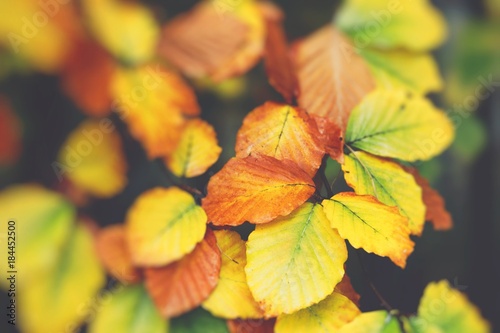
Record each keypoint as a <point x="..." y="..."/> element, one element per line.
<point x="373" y="322"/>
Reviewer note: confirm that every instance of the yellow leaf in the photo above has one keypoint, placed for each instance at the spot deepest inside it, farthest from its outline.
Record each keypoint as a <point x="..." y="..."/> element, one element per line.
<point x="92" y="158"/>
<point x="444" y="309"/>
<point x="389" y="183"/>
<point x="67" y="288"/>
<point x="373" y="322"/>
<point x="128" y="309"/>
<point x="308" y="265"/>
<point x="417" y="72"/>
<point x="126" y="28"/>
<point x="152" y="101"/>
<point x="196" y="151"/>
<point x="232" y="298"/>
<point x="163" y="225"/>
<point x="388" y="123"/>
<point x="327" y="316"/>
<point x="392" y="24"/>
<point x="368" y="224"/>
<point x="283" y="132"/>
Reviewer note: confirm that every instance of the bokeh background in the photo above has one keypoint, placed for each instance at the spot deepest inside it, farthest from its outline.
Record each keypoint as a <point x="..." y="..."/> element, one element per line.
<point x="467" y="175"/>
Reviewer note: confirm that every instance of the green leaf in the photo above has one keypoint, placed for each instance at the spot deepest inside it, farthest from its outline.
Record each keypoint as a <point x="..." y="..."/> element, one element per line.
<point x="198" y="321"/>
<point x="294" y="261"/>
<point x="388" y="123"/>
<point x="129" y="309"/>
<point x="389" y="183"/>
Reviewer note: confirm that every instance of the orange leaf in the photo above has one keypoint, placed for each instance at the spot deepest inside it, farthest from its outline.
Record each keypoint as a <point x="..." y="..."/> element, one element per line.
<point x="86" y="77"/>
<point x="114" y="254"/>
<point x="332" y="77"/>
<point x="209" y="42"/>
<point x="283" y="132"/>
<point x="435" y="206"/>
<point x="330" y="135"/>
<point x="183" y="285"/>
<point x="196" y="152"/>
<point x="10" y="134"/>
<point x="256" y="189"/>
<point x="345" y="288"/>
<point x="251" y="325"/>
<point x="277" y="59"/>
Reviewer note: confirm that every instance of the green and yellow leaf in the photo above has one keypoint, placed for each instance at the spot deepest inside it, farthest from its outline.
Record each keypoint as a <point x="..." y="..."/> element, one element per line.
<point x="389" y="183"/>
<point x="163" y="225"/>
<point x="368" y="224"/>
<point x="373" y="322"/>
<point x="232" y="298"/>
<point x="329" y="315"/>
<point x="308" y="264"/>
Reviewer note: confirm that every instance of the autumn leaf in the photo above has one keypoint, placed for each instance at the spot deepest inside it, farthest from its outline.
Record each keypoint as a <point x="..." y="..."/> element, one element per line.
<point x="251" y="325"/>
<point x="435" y="211"/>
<point x="182" y="285"/>
<point x="387" y="123"/>
<point x="331" y="136"/>
<point x="86" y="77"/>
<point x="232" y="297"/>
<point x="196" y="151"/>
<point x="127" y="29"/>
<point x="368" y="224"/>
<point x="389" y="183"/>
<point x="329" y="315"/>
<point x="333" y="79"/>
<point x="197" y="321"/>
<point x="416" y="72"/>
<point x="444" y="309"/>
<point x="209" y="42"/>
<point x="309" y="265"/>
<point x="92" y="158"/>
<point x="345" y="288"/>
<point x="256" y="189"/>
<point x="134" y="304"/>
<point x="153" y="103"/>
<point x="113" y="252"/>
<point x="375" y="321"/>
<point x="162" y="225"/>
<point x="283" y="132"/>
<point x="398" y="25"/>
<point x="10" y="134"/>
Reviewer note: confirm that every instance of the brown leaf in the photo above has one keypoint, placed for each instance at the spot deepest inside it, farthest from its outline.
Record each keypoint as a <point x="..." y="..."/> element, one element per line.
<point x="283" y="132"/>
<point x="114" y="254"/>
<point x="332" y="77"/>
<point x="330" y="135"/>
<point x="256" y="189"/>
<point x="345" y="288"/>
<point x="435" y="206"/>
<point x="251" y="325"/>
<point x="10" y="134"/>
<point x="183" y="285"/>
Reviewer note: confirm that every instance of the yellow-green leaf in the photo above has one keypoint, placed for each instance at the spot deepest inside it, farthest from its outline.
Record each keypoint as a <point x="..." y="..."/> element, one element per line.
<point x="232" y="297"/>
<point x="368" y="224"/>
<point x="163" y="225"/>
<point x="373" y="322"/>
<point x="327" y="316"/>
<point x="294" y="261"/>
<point x="388" y="123"/>
<point x="444" y="309"/>
<point x="126" y="28"/>
<point x="128" y="309"/>
<point x="392" y="24"/>
<point x="389" y="183"/>
<point x="67" y="288"/>
<point x="417" y="72"/>
<point x="196" y="151"/>
<point x="92" y="158"/>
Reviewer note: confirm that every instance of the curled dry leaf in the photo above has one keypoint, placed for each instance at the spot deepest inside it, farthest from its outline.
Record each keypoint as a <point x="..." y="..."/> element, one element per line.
<point x="251" y="325"/>
<point x="346" y="288"/>
<point x="256" y="189"/>
<point x="332" y="77"/>
<point x="208" y="41"/>
<point x="114" y="254"/>
<point x="435" y="211"/>
<point x="183" y="285"/>
<point x="196" y="151"/>
<point x="283" y="132"/>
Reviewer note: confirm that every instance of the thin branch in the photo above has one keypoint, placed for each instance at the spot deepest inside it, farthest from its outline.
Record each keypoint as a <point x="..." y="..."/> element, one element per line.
<point x="194" y="191"/>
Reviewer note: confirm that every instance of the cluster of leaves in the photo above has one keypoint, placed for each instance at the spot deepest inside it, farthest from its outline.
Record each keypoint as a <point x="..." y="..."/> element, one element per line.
<point x="177" y="255"/>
